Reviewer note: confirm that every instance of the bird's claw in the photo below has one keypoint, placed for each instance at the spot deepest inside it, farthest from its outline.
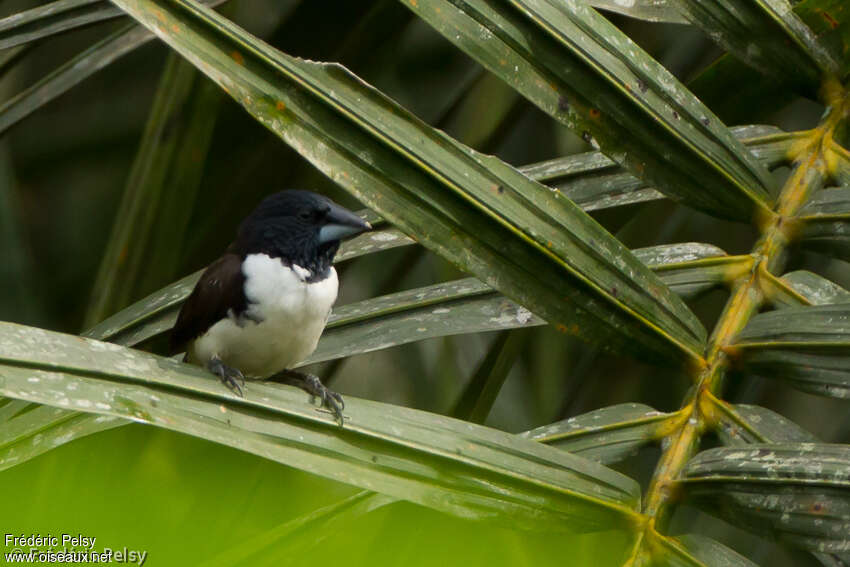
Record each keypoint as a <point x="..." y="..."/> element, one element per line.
<point x="330" y="399"/>
<point x="230" y="377"/>
<point x="232" y="381"/>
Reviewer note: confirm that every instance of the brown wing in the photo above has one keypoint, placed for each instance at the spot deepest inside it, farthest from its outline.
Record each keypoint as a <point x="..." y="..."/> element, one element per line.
<point x="219" y="290"/>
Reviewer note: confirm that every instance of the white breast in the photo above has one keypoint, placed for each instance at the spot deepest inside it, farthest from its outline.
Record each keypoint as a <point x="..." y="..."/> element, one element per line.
<point x="283" y="323"/>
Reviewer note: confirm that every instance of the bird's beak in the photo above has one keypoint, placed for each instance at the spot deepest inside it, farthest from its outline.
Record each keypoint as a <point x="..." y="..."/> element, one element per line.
<point x="341" y="223"/>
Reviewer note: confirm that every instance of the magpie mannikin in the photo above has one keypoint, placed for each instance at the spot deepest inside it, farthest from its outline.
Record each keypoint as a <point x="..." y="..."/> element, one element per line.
<point x="260" y="309"/>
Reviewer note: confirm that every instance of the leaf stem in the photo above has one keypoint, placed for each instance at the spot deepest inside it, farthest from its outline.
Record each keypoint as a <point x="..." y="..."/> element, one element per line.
<point x="810" y="157"/>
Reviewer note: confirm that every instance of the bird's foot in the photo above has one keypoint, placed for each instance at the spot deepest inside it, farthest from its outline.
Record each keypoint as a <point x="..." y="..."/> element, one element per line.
<point x="311" y="384"/>
<point x="230" y="377"/>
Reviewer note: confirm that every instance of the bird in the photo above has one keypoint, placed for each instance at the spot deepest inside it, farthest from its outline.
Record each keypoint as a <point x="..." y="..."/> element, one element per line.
<point x="259" y="309"/>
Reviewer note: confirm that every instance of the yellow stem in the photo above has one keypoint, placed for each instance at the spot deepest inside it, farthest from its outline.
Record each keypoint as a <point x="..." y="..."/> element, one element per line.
<point x="812" y="168"/>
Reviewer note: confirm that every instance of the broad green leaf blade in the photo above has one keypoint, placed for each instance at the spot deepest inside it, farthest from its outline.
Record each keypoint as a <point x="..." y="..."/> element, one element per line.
<point x="467" y="305"/>
<point x="10" y="408"/>
<point x="692" y="268"/>
<point x="459" y="306"/>
<point x="816" y="289"/>
<point x="480" y="394"/>
<point x="450" y="465"/>
<point x="475" y="210"/>
<point x="607" y="435"/>
<point x="75" y="71"/>
<point x="53" y="18"/>
<point x="594" y="181"/>
<point x="830" y="22"/>
<point x="72" y="73"/>
<point x="798" y="492"/>
<point x="779" y="294"/>
<point x="731" y="89"/>
<point x="807" y="346"/>
<point x="576" y="66"/>
<point x="374" y="241"/>
<point x="43" y="428"/>
<point x="737" y="94"/>
<point x="744" y="424"/>
<point x="767" y="35"/>
<point x="316" y="525"/>
<point x="828" y="203"/>
<point x="826" y="223"/>
<point x="713" y="553"/>
<point x="833" y="559"/>
<point x="161" y="187"/>
<point x="650" y="10"/>
<point x="677" y="254"/>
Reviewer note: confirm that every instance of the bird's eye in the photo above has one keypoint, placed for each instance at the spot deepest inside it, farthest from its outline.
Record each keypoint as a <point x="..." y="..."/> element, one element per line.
<point x="306" y="214"/>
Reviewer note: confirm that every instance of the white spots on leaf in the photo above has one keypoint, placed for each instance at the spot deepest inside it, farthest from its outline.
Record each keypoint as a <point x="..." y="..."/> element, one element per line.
<point x="523" y="315"/>
<point x="385" y="236"/>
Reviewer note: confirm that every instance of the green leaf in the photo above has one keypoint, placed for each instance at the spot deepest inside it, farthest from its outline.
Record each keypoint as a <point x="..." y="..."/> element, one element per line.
<point x="75" y="71"/>
<point x="833" y="560"/>
<point x="779" y="294"/>
<point x="712" y="553"/>
<point x="767" y="35"/>
<point x="480" y="394"/>
<point x="142" y="252"/>
<point x="53" y="18"/>
<point x="807" y="346"/>
<point x="42" y="428"/>
<point x="594" y="181"/>
<point x="829" y="204"/>
<point x="579" y="68"/>
<point x="737" y="94"/>
<point x="826" y="223"/>
<point x="446" y="464"/>
<point x="744" y="424"/>
<point x="459" y="306"/>
<point x="607" y="435"/>
<point x="650" y="10"/>
<point x="72" y="73"/>
<point x="691" y="268"/>
<point x="677" y="254"/>
<point x="829" y="20"/>
<point x="797" y="492"/>
<point x="730" y="88"/>
<point x="816" y="289"/>
<point x="475" y="210"/>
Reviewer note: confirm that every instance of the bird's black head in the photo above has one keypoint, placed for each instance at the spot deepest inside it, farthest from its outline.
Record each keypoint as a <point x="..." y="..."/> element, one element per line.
<point x="300" y="227"/>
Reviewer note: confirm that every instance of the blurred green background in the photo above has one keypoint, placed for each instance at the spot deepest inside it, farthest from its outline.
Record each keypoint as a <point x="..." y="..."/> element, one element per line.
<point x="63" y="171"/>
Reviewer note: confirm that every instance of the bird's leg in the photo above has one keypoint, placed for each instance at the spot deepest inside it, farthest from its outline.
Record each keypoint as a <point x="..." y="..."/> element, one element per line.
<point x="311" y="384"/>
<point x="230" y="376"/>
